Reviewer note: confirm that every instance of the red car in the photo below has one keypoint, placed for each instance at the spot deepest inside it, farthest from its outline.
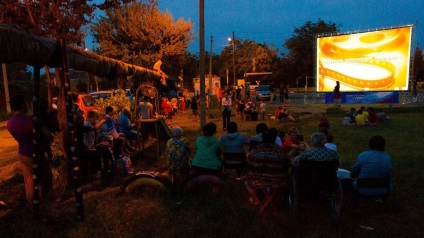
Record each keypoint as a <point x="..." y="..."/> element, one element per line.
<point x="86" y="103"/>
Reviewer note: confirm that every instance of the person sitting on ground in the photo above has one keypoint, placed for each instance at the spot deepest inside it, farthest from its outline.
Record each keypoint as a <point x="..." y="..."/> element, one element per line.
<point x="208" y="151"/>
<point x="178" y="153"/>
<point x="293" y="146"/>
<point x="382" y="116"/>
<point x="373" y="163"/>
<point x="318" y="151"/>
<point x="372" y="116"/>
<point x="347" y="120"/>
<point x="366" y="115"/>
<point x="360" y="118"/>
<point x="274" y="131"/>
<point x="324" y="124"/>
<point x="277" y="113"/>
<point x="282" y="136"/>
<point x="268" y="165"/>
<point x="232" y="145"/>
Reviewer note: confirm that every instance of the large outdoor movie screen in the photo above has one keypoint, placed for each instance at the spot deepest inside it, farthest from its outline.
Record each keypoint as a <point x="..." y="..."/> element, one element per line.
<point x="368" y="61"/>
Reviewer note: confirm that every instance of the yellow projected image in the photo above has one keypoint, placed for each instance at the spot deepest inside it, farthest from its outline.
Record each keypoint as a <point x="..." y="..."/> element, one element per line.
<point x="371" y="61"/>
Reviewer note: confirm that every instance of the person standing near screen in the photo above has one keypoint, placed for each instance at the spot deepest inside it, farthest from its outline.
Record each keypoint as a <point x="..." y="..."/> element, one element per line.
<point x="337" y="94"/>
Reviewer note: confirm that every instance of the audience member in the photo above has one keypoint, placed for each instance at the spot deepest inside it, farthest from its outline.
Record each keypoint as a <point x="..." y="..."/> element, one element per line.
<point x="145" y="108"/>
<point x="232" y="145"/>
<point x="194" y="105"/>
<point x="382" y="116"/>
<point x="178" y="153"/>
<point x="360" y="118"/>
<point x="373" y="163"/>
<point x="324" y="124"/>
<point x="126" y="128"/>
<point x="347" y="120"/>
<point x="318" y="151"/>
<point x="372" y="116"/>
<point x="330" y="145"/>
<point x="208" y="151"/>
<point x="293" y="146"/>
<point x="257" y="139"/>
<point x="262" y="110"/>
<point x="267" y="168"/>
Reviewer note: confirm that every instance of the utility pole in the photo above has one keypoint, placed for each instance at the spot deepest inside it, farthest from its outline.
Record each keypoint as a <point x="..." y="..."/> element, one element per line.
<point x="6" y="88"/>
<point x="210" y="73"/>
<point x="234" y="60"/>
<point x="202" y="61"/>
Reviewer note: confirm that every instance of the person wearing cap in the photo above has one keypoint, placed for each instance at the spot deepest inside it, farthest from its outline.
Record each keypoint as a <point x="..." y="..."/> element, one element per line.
<point x="178" y="153"/>
<point x="318" y="151"/>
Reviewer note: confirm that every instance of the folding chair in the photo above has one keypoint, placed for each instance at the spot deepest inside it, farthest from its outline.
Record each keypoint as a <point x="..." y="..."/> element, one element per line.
<point x="272" y="195"/>
<point x="314" y="179"/>
<point x="381" y="183"/>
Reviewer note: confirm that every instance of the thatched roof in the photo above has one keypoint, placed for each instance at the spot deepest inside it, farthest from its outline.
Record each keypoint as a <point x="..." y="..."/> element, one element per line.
<point x="17" y="45"/>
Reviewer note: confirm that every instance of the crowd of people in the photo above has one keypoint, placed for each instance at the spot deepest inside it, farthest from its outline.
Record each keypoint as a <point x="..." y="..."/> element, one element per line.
<point x="364" y="117"/>
<point x="263" y="161"/>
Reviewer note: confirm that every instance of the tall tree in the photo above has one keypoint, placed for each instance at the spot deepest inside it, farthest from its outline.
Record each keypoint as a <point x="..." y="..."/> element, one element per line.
<point x="418" y="64"/>
<point x="250" y="56"/>
<point x="139" y="33"/>
<point x="301" y="46"/>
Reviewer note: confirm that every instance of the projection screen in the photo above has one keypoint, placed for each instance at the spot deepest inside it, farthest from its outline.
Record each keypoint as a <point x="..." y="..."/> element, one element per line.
<point x="367" y="61"/>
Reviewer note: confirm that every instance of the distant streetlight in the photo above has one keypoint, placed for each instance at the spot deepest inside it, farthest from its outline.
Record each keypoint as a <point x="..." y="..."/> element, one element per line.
<point x="232" y="42"/>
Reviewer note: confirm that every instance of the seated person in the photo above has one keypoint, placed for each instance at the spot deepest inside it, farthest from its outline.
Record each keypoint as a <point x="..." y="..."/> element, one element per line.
<point x="347" y="120"/>
<point x="277" y="112"/>
<point x="178" y="153"/>
<point x="208" y="152"/>
<point x="318" y="151"/>
<point x="372" y="116"/>
<point x="293" y="146"/>
<point x="360" y="119"/>
<point x="382" y="116"/>
<point x="232" y="145"/>
<point x="257" y="139"/>
<point x="268" y="165"/>
<point x="373" y="163"/>
<point x="125" y="126"/>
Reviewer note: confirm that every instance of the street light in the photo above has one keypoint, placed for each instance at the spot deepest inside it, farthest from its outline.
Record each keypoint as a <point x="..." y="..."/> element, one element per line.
<point x="232" y="42"/>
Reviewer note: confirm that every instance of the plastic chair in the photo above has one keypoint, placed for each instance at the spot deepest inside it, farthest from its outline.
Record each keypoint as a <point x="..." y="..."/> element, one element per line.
<point x="312" y="179"/>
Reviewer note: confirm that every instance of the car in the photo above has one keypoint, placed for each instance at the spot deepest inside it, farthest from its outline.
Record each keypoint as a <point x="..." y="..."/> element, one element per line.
<point x="263" y="92"/>
<point x="86" y="102"/>
<point x="102" y="94"/>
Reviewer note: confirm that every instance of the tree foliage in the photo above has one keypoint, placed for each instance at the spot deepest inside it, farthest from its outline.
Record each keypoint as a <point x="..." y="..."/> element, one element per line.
<point x="250" y="56"/>
<point x="66" y="19"/>
<point x="418" y="64"/>
<point x="139" y="33"/>
<point x="301" y="45"/>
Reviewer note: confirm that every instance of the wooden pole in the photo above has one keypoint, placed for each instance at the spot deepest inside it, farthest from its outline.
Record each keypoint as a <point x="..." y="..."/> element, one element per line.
<point x="6" y="88"/>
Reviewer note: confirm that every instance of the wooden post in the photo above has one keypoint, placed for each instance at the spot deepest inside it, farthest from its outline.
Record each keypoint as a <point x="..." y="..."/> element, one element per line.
<point x="76" y="178"/>
<point x="36" y="155"/>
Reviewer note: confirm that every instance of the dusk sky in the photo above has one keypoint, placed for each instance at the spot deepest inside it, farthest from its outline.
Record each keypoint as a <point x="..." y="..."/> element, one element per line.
<point x="273" y="21"/>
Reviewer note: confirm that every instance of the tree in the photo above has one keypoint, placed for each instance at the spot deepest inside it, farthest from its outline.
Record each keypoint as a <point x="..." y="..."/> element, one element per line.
<point x="250" y="56"/>
<point x="301" y="46"/>
<point x="139" y="33"/>
<point x="418" y="64"/>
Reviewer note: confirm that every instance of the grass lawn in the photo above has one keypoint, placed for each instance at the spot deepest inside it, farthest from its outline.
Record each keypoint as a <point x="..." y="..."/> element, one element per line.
<point x="109" y="213"/>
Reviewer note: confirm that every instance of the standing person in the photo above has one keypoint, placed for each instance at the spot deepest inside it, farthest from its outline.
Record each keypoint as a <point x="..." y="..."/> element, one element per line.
<point x="232" y="146"/>
<point x="373" y="163"/>
<point x="193" y="106"/>
<point x="337" y="95"/>
<point x="286" y="94"/>
<point x="178" y="151"/>
<point x="21" y="128"/>
<point x="145" y="108"/>
<point x="282" y="93"/>
<point x="208" y="152"/>
<point x="262" y="109"/>
<point x="218" y="93"/>
<point x="226" y="111"/>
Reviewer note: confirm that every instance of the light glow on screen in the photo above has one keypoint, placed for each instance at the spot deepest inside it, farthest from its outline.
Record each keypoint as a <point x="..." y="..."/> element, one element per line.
<point x="368" y="61"/>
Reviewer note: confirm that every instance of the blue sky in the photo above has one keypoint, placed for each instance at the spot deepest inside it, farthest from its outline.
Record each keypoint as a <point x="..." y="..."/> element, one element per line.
<point x="273" y="21"/>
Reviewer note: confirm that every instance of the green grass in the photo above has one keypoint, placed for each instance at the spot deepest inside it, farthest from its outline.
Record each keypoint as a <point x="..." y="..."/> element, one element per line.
<point x="229" y="214"/>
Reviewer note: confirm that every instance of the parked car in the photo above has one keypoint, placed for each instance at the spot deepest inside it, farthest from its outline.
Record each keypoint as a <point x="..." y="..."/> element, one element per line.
<point x="102" y="94"/>
<point x="86" y="103"/>
<point x="263" y="92"/>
